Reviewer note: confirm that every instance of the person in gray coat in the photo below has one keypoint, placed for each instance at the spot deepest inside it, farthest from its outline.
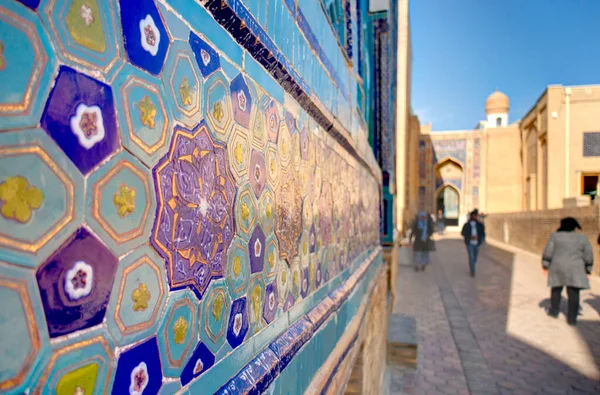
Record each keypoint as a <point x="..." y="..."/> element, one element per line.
<point x="568" y="259"/>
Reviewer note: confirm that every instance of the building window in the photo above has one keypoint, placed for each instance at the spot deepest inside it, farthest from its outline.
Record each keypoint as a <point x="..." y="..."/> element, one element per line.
<point x="591" y="144"/>
<point x="589" y="184"/>
<point x="498" y="122"/>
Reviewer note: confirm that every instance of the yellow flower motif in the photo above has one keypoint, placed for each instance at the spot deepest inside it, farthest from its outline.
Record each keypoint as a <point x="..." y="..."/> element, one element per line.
<point x="273" y="165"/>
<point x="18" y="198"/>
<point x="284" y="148"/>
<point x="237" y="266"/>
<point x="217" y="309"/>
<point x="283" y="277"/>
<point x="124" y="200"/>
<point x="305" y="248"/>
<point x="271" y="259"/>
<point x="256" y="297"/>
<point x="296" y="280"/>
<point x="269" y="211"/>
<point x="186" y="92"/>
<point x="245" y="212"/>
<point x="140" y="297"/>
<point x="239" y="153"/>
<point x="180" y="329"/>
<point x="147" y="112"/>
<point x="218" y="111"/>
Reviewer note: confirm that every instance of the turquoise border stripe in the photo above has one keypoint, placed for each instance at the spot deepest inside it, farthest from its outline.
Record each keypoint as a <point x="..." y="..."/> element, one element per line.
<point x="262" y="78"/>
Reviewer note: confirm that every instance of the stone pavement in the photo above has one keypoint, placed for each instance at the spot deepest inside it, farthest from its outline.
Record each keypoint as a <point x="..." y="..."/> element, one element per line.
<point x="490" y="334"/>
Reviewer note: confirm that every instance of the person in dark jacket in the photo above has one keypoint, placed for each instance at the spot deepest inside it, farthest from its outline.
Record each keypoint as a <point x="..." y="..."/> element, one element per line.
<point x="473" y="232"/>
<point x="568" y="259"/>
<point x="422" y="229"/>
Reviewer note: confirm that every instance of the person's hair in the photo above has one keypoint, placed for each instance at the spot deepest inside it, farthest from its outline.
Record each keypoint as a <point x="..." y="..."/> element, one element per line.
<point x="474" y="213"/>
<point x="568" y="224"/>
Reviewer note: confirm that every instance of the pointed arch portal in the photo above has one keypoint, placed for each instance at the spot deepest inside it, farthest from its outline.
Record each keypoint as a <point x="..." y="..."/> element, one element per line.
<point x="448" y="200"/>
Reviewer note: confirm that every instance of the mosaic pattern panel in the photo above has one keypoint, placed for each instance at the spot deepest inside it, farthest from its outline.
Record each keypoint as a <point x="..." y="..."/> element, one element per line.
<point x="157" y="207"/>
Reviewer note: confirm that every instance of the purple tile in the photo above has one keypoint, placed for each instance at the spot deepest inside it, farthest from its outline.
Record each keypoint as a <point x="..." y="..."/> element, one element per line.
<point x="290" y="121"/>
<point x="206" y="57"/>
<point x="80" y="117"/>
<point x="312" y="238"/>
<point x="304" y="144"/>
<point x="272" y="118"/>
<point x="238" y="323"/>
<point x="75" y="284"/>
<point x="289" y="301"/>
<point x="270" y="302"/>
<point x="256" y="250"/>
<point x="200" y="361"/>
<point x="194" y="223"/>
<point x="255" y="377"/>
<point x="241" y="101"/>
<point x="258" y="173"/>
<point x="139" y="370"/>
<point x="305" y="286"/>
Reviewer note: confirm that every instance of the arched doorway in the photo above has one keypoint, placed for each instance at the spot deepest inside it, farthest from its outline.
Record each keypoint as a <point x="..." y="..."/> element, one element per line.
<point x="448" y="200"/>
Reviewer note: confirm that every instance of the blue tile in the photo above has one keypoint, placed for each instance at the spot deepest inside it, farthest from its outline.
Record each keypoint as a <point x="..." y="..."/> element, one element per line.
<point x="206" y="57"/>
<point x="139" y="369"/>
<point x="258" y="74"/>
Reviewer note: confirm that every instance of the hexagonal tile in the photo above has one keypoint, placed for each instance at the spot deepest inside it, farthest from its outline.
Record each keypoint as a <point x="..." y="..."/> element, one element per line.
<point x="272" y="121"/>
<point x="296" y="159"/>
<point x="202" y="360"/>
<point x="84" y="364"/>
<point x="28" y="66"/>
<point x="256" y="250"/>
<point x="146" y="39"/>
<point x="145" y="119"/>
<point x="283" y="281"/>
<point x="270" y="303"/>
<point x="178" y="331"/>
<point x="138" y="296"/>
<point x="75" y="284"/>
<point x="296" y="277"/>
<point x="258" y="131"/>
<point x="237" y="327"/>
<point x="284" y="146"/>
<point x="290" y="121"/>
<point x="245" y="211"/>
<point x="80" y="116"/>
<point x="84" y="32"/>
<point x="273" y="165"/>
<point x="213" y="316"/>
<point x="307" y="181"/>
<point x="271" y="259"/>
<point x="23" y="332"/>
<point x="304" y="144"/>
<point x="307" y="214"/>
<point x="182" y="81"/>
<point x="258" y="173"/>
<point x="305" y="285"/>
<point x="267" y="211"/>
<point x="304" y="248"/>
<point x="195" y="193"/>
<point x="206" y="57"/>
<point x="255" y="297"/>
<point x="290" y="301"/>
<point x="238" y="149"/>
<point x="139" y="370"/>
<point x="40" y="206"/>
<point x="241" y="100"/>
<point x="120" y="203"/>
<point x="217" y="105"/>
<point x="238" y="267"/>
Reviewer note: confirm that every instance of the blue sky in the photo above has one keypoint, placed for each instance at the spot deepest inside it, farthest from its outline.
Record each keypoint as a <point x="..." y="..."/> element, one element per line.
<point x="464" y="49"/>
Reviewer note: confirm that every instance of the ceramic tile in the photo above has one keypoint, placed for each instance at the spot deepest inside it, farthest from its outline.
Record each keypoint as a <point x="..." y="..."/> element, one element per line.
<point x="139" y="369"/>
<point x="237" y="327"/>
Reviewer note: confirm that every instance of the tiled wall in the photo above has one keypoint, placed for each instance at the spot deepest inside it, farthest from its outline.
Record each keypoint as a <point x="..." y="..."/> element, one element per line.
<point x="174" y="216"/>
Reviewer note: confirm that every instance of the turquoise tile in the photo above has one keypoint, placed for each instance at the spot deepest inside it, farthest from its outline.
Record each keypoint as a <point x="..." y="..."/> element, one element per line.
<point x="262" y="78"/>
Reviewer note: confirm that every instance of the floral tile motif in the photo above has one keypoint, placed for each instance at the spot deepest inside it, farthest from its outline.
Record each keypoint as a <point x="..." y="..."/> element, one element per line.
<point x="201" y="360"/>
<point x="288" y="225"/>
<point x="256" y="250"/>
<point x="195" y="193"/>
<point x="268" y="211"/>
<point x="146" y="39"/>
<point x="290" y="121"/>
<point x="255" y="298"/>
<point x="237" y="328"/>
<point x="238" y="267"/>
<point x="238" y="149"/>
<point x="304" y="144"/>
<point x="272" y="119"/>
<point x="75" y="284"/>
<point x="80" y="117"/>
<point x="26" y="55"/>
<point x="217" y="106"/>
<point x="214" y="315"/>
<point x="139" y="370"/>
<point x="206" y="57"/>
<point x="241" y="100"/>
<point x="270" y="303"/>
<point x="258" y="173"/>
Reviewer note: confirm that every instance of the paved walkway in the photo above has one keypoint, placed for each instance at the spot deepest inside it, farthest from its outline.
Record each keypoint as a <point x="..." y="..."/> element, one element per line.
<point x="490" y="334"/>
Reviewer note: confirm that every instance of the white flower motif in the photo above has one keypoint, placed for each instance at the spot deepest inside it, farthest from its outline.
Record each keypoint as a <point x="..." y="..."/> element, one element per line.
<point x="271" y="301"/>
<point x="241" y="96"/>
<point x="79" y="280"/>
<point x="198" y="366"/>
<point x="203" y="206"/>
<point x="139" y="379"/>
<point x="257" y="248"/>
<point x="86" y="14"/>
<point x="318" y="274"/>
<point x="150" y="35"/>
<point x="237" y="324"/>
<point x="205" y="57"/>
<point x="304" y="284"/>
<point x="87" y="125"/>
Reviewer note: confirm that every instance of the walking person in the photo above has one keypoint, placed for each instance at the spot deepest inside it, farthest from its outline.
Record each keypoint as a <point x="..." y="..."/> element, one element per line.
<point x="567" y="261"/>
<point x="473" y="232"/>
<point x="422" y="230"/>
<point x="440" y="222"/>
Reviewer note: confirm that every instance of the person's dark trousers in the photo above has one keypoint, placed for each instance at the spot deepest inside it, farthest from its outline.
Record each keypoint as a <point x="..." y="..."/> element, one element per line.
<point x="573" y="309"/>
<point x="473" y="251"/>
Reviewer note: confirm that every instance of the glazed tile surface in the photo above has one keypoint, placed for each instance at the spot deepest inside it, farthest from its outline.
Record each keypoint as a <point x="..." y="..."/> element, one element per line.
<point x="165" y="220"/>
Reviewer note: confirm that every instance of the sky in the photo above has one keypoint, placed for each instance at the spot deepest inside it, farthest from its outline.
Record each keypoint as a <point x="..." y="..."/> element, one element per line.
<point x="463" y="50"/>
